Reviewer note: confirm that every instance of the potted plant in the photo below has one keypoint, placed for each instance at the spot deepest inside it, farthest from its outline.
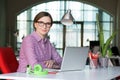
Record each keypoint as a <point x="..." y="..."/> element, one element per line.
<point x="104" y="46"/>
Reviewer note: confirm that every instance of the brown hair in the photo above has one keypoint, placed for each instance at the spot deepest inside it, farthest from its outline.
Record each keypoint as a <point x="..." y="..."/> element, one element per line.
<point x="40" y="15"/>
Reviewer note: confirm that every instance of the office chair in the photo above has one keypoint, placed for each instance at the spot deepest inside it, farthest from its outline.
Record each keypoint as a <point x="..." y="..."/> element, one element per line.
<point x="115" y="51"/>
<point x="8" y="61"/>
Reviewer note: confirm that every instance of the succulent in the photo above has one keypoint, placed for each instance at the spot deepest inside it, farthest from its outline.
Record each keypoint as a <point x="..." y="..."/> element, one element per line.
<point x="104" y="46"/>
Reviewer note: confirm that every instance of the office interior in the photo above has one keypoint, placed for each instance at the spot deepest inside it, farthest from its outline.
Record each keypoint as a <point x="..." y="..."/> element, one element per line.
<point x="11" y="8"/>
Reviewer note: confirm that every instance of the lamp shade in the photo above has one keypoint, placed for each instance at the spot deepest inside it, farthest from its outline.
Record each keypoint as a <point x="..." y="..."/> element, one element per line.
<point x="67" y="19"/>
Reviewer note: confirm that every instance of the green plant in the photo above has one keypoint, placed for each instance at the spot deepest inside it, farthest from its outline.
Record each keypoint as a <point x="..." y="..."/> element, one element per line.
<point x="104" y="46"/>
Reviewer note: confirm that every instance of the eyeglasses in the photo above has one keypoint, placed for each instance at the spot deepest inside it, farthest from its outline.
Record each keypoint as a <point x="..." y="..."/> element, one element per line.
<point x="41" y="24"/>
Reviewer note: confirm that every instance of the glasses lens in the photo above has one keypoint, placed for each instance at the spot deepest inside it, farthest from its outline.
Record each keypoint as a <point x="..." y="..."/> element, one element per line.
<point x="41" y="23"/>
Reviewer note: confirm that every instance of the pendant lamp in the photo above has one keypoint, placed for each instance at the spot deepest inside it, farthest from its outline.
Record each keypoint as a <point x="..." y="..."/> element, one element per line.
<point x="67" y="19"/>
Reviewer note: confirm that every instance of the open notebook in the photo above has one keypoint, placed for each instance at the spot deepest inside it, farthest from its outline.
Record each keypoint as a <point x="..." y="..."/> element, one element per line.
<point x="74" y="59"/>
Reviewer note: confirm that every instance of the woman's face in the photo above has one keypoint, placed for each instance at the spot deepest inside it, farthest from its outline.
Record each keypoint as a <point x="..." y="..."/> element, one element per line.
<point x="43" y="26"/>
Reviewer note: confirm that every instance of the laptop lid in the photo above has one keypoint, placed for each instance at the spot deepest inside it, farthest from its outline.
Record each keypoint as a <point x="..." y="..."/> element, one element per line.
<point x="74" y="58"/>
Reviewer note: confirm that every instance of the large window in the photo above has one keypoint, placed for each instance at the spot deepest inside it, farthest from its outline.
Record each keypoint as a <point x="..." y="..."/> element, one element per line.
<point x="78" y="34"/>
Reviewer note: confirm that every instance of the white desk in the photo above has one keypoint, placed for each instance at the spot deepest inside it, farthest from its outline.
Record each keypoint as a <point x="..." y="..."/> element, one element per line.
<point x="86" y="74"/>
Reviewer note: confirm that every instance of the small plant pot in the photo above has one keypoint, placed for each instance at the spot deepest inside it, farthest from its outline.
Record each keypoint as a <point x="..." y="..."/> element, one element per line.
<point x="103" y="62"/>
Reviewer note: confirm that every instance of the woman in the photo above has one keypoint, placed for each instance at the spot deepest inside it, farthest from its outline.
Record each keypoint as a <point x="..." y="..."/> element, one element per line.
<point x="36" y="47"/>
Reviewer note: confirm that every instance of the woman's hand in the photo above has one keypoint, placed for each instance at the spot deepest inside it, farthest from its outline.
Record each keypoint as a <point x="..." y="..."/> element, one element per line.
<point x="49" y="63"/>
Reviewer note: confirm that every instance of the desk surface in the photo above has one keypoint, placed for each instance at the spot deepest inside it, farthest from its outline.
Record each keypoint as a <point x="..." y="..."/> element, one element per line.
<point x="86" y="74"/>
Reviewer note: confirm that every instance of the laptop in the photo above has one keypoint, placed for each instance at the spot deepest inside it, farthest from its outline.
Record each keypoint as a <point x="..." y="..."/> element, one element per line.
<point x="74" y="59"/>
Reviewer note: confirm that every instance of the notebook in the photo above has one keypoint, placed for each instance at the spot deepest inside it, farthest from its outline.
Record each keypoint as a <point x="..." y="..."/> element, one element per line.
<point x="74" y="59"/>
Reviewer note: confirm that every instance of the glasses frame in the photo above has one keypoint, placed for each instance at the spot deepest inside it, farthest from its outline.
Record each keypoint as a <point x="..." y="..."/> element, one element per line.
<point x="42" y="24"/>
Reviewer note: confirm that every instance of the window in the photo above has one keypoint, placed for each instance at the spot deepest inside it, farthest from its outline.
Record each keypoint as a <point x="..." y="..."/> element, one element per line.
<point x="78" y="34"/>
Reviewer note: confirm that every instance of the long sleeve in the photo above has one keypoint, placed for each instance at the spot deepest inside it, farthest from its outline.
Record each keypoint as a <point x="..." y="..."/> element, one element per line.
<point x="56" y="56"/>
<point x="28" y="55"/>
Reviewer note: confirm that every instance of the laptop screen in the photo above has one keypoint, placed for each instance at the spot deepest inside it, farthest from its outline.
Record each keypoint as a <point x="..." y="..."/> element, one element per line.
<point x="74" y="58"/>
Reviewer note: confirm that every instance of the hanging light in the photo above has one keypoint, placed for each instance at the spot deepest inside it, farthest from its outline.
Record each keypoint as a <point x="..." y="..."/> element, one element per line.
<point x="67" y="19"/>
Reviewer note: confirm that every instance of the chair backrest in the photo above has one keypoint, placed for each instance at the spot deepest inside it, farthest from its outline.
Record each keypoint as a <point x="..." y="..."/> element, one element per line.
<point x="115" y="51"/>
<point x="8" y="61"/>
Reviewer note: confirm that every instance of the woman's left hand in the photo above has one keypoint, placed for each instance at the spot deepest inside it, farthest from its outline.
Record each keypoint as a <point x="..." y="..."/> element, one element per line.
<point x="49" y="63"/>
